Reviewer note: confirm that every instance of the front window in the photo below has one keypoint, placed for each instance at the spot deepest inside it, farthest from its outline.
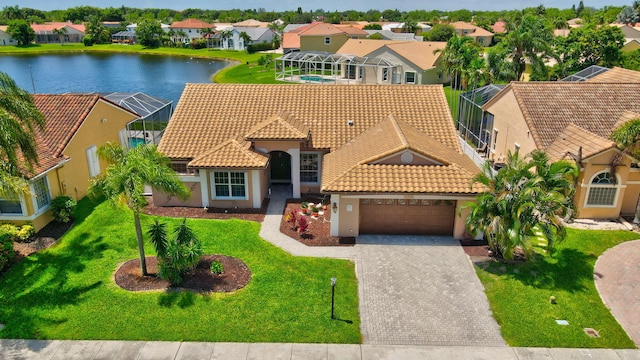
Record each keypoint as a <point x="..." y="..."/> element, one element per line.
<point x="309" y="167"/>
<point x="10" y="207"/>
<point x="602" y="190"/>
<point x="327" y="40"/>
<point x="41" y="192"/>
<point x="410" y="77"/>
<point x="494" y="139"/>
<point x="228" y="184"/>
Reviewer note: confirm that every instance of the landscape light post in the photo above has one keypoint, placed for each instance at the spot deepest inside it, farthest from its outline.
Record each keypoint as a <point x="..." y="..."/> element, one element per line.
<point x="333" y="295"/>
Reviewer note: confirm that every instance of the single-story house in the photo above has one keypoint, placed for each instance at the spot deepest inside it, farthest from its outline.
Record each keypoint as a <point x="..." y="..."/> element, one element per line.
<point x="233" y="41"/>
<point x="76" y="125"/>
<point x="572" y="120"/>
<point x="252" y="23"/>
<point x="479" y="35"/>
<point x="5" y="38"/>
<point x="388" y="156"/>
<point x="417" y="60"/>
<point x="45" y="32"/>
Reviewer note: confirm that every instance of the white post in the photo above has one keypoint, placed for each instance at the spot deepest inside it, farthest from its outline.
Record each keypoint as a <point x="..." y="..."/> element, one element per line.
<point x="204" y="187"/>
<point x="335" y="218"/>
<point x="255" y="189"/>
<point x="295" y="171"/>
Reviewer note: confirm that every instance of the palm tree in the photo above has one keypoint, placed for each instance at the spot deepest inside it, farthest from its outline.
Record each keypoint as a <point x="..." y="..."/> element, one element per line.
<point x="19" y="118"/>
<point x="527" y="40"/>
<point x="206" y="33"/>
<point x="224" y="35"/>
<point x="246" y="40"/>
<point x="182" y="35"/>
<point x="61" y="33"/>
<point x="521" y="197"/>
<point x="627" y="137"/>
<point x="125" y="178"/>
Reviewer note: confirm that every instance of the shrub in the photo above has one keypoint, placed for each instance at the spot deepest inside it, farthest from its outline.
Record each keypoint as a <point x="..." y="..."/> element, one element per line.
<point x="6" y="250"/>
<point x="303" y="225"/>
<point x="63" y="207"/>
<point x="87" y="41"/>
<point x="216" y="267"/>
<point x="198" y="44"/>
<point x="261" y="47"/>
<point x="22" y="233"/>
<point x="178" y="255"/>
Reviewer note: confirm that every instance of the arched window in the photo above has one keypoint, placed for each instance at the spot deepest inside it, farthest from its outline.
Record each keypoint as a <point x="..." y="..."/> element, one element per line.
<point x="602" y="190"/>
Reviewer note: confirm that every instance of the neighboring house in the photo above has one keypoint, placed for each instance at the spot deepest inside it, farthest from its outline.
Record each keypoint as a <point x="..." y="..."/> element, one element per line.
<point x="390" y="35"/>
<point x="631" y="45"/>
<point x="388" y="156"/>
<point x="561" y="32"/>
<point x="479" y="35"/>
<point x="616" y="75"/>
<point x="45" y="35"/>
<point x="631" y="37"/>
<point x="124" y="37"/>
<point x="233" y="41"/>
<point x="319" y="36"/>
<point x="572" y="120"/>
<point x="164" y="27"/>
<point x="5" y="38"/>
<point x="499" y="27"/>
<point x="416" y="60"/>
<point x="251" y="23"/>
<point x="192" y="28"/>
<point x="575" y="23"/>
<point x="75" y="126"/>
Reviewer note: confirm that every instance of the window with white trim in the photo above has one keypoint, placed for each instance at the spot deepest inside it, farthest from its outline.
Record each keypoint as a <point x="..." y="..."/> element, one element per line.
<point x="309" y="167"/>
<point x="327" y="40"/>
<point x="10" y="206"/>
<point x="92" y="160"/>
<point x="494" y="139"/>
<point x="410" y="77"/>
<point x="602" y="190"/>
<point x="41" y="192"/>
<point x="229" y="185"/>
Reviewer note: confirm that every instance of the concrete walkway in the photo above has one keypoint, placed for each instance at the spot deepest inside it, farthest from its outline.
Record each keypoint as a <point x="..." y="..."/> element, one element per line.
<point x="617" y="276"/>
<point x="141" y="350"/>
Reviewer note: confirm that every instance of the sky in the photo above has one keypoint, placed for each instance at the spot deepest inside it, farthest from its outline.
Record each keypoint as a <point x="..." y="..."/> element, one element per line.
<point x="307" y="5"/>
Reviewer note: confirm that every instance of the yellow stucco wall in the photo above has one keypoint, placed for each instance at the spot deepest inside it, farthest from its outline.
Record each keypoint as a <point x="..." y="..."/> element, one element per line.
<point x="632" y="46"/>
<point x="511" y="126"/>
<point x="317" y="43"/>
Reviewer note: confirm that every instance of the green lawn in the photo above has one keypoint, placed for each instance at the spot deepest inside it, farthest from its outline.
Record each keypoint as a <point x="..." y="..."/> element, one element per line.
<point x="251" y="73"/>
<point x="68" y="292"/>
<point x="519" y="295"/>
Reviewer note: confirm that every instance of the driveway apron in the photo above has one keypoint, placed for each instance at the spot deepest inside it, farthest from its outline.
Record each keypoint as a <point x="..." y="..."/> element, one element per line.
<point x="421" y="290"/>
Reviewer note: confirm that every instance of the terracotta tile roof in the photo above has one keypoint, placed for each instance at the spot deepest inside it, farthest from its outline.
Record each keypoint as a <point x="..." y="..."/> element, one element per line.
<point x="251" y="23"/>
<point x="499" y="27"/>
<point x="359" y="165"/>
<point x="572" y="138"/>
<point x="191" y="24"/>
<point x="351" y="29"/>
<point x="626" y="116"/>
<point x="419" y="53"/>
<point x="233" y="153"/>
<point x="290" y="40"/>
<point x="322" y="28"/>
<point x="284" y="126"/>
<point x="549" y="107"/>
<point x="476" y="30"/>
<point x="48" y="27"/>
<point x="617" y="75"/>
<point x="209" y="114"/>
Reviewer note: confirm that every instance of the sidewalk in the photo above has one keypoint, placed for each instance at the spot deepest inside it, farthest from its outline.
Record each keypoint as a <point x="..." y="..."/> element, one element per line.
<point x="141" y="350"/>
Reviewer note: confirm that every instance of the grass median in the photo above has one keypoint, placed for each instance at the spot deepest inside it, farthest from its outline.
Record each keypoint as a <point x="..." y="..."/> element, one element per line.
<point x="68" y="291"/>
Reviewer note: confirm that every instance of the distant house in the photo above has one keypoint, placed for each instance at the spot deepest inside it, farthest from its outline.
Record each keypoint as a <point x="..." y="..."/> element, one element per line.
<point x="5" y="38"/>
<point x="575" y="23"/>
<point x="192" y="28"/>
<point x="499" y="27"/>
<point x="631" y="45"/>
<point x="390" y="35"/>
<point x="251" y="23"/>
<point x="479" y="35"/>
<point x="233" y="40"/>
<point x="573" y="121"/>
<point x="319" y="36"/>
<point x="45" y="32"/>
<point x="124" y="37"/>
<point x="76" y="125"/>
<point x="416" y="60"/>
<point x="388" y="157"/>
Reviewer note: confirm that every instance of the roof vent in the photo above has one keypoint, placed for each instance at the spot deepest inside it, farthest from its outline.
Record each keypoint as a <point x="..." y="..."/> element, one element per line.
<point x="350" y="122"/>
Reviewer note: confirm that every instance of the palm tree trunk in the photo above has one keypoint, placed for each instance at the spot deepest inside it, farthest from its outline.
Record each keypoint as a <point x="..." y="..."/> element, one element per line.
<point x="143" y="262"/>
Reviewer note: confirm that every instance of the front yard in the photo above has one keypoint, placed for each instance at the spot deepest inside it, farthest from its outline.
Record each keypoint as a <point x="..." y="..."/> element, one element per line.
<point x="520" y="294"/>
<point x="68" y="291"/>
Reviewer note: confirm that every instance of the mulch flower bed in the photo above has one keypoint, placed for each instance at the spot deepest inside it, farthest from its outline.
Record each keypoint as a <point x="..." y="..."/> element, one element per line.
<point x="44" y="238"/>
<point x="207" y="213"/>
<point x="235" y="276"/>
<point x="319" y="231"/>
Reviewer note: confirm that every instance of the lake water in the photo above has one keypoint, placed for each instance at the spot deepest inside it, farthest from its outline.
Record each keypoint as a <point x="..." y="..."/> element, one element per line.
<point x="160" y="76"/>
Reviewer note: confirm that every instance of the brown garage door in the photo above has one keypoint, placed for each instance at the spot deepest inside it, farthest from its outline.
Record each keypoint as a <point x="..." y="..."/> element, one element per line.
<point x="400" y="216"/>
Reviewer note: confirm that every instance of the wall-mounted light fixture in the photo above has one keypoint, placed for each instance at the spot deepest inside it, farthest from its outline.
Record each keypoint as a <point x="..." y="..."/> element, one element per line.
<point x="104" y="120"/>
<point x="334" y="207"/>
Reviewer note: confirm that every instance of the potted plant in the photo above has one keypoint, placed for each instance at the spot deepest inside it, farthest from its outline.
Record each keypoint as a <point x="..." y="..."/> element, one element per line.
<point x="315" y="210"/>
<point x="305" y="208"/>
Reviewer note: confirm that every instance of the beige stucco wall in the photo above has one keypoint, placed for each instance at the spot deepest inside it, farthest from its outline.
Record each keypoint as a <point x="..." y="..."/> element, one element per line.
<point x="512" y="128"/>
<point x="195" y="200"/>
<point x="269" y="146"/>
<point x="631" y="193"/>
<point x="459" y="228"/>
<point x="627" y="194"/>
<point x="316" y="43"/>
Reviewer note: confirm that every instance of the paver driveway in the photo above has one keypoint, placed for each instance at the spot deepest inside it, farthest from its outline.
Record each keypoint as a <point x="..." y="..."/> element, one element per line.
<point x="421" y="290"/>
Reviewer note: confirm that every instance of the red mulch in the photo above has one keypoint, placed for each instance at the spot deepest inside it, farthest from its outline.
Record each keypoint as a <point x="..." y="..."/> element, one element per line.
<point x="207" y="213"/>
<point x="318" y="232"/>
<point x="477" y="250"/>
<point x="235" y="276"/>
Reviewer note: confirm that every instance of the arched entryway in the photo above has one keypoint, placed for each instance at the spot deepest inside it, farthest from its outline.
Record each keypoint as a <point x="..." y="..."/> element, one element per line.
<point x="280" y="167"/>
